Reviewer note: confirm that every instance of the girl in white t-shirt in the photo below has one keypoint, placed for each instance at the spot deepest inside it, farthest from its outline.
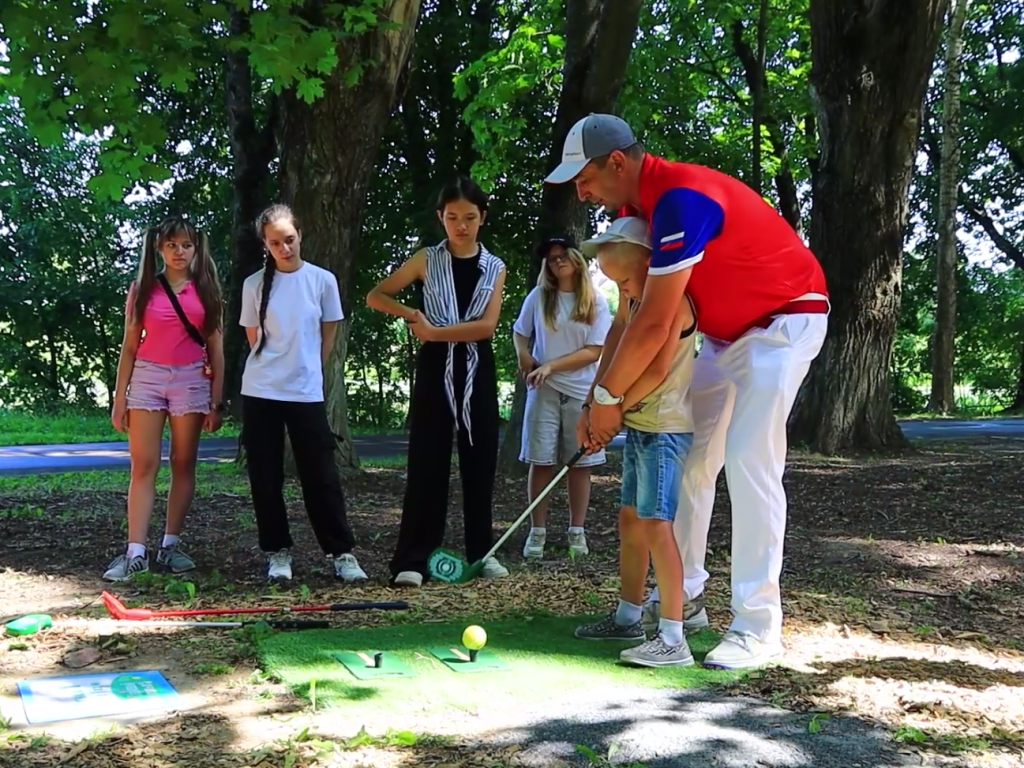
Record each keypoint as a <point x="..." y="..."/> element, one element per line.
<point x="290" y="312"/>
<point x="568" y="321"/>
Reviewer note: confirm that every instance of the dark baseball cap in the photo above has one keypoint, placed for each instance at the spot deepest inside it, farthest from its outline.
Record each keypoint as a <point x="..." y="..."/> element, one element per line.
<point x="594" y="136"/>
<point x="559" y="238"/>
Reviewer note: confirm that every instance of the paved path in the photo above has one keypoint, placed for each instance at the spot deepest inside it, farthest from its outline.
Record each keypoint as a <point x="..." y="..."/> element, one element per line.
<point x="82" y="457"/>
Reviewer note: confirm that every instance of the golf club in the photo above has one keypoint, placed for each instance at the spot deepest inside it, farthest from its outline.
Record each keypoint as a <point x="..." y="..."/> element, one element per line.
<point x="448" y="566"/>
<point x="118" y="611"/>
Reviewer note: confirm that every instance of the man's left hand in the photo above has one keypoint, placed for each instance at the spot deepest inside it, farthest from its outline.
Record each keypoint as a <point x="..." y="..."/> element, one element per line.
<point x="605" y="424"/>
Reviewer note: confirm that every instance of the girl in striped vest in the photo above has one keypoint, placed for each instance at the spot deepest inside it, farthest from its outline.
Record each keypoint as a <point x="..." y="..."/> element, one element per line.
<point x="456" y="389"/>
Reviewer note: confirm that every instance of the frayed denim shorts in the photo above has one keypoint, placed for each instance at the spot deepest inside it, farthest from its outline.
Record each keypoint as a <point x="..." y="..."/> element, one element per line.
<point x="652" y="472"/>
<point x="177" y="389"/>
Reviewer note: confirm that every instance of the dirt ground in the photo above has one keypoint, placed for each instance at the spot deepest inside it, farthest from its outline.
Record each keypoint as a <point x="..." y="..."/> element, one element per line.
<point x="903" y="586"/>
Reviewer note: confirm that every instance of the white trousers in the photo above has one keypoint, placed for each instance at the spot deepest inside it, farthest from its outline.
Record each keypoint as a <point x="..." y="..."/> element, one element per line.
<point x="742" y="394"/>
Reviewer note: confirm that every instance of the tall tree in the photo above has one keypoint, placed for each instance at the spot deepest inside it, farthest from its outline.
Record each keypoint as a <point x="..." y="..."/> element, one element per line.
<point x="599" y="37"/>
<point x="944" y="342"/>
<point x="328" y="149"/>
<point x="870" y="65"/>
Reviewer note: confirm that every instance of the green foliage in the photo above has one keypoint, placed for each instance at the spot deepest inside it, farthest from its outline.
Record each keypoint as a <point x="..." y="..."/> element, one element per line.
<point x="62" y="264"/>
<point x="94" y="71"/>
<point x="504" y="88"/>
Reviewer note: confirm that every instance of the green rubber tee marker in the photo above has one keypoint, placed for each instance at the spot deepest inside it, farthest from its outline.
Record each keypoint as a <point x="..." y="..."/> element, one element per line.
<point x="28" y="625"/>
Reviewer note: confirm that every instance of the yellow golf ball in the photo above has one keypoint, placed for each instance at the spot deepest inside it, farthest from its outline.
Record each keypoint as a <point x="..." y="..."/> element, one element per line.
<point x="474" y="638"/>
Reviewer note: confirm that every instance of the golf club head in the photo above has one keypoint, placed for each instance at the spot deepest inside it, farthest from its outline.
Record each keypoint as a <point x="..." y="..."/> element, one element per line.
<point x="447" y="566"/>
<point x="117" y="610"/>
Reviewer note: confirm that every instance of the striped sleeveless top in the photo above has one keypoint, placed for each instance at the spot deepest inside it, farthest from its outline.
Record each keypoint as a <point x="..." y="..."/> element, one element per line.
<point x="441" y="307"/>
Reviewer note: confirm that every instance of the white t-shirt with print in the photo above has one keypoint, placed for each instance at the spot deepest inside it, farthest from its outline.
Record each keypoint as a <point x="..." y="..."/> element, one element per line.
<point x="569" y="336"/>
<point x="289" y="366"/>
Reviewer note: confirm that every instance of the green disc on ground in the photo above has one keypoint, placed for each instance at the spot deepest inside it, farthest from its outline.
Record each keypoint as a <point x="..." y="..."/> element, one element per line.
<point x="362" y="664"/>
<point x="459" y="660"/>
<point x="28" y="625"/>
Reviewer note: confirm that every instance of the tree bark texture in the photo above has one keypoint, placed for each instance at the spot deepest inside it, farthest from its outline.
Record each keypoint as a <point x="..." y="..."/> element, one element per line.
<point x="870" y="62"/>
<point x="328" y="150"/>
<point x="944" y="341"/>
<point x="599" y="38"/>
<point x="252" y="150"/>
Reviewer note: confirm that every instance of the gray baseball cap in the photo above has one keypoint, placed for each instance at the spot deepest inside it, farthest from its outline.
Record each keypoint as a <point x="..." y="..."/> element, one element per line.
<point x="594" y="136"/>
<point x="625" y="229"/>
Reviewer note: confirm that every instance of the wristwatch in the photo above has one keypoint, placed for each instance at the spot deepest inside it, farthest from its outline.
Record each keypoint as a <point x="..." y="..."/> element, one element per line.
<point x="220" y="407"/>
<point x="603" y="397"/>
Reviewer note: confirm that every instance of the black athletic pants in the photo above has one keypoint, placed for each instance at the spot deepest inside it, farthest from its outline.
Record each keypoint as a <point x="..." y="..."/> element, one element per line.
<point x="425" y="509"/>
<point x="263" y="425"/>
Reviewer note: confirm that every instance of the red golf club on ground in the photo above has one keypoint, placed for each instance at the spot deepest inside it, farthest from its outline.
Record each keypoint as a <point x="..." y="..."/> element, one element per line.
<point x="117" y="610"/>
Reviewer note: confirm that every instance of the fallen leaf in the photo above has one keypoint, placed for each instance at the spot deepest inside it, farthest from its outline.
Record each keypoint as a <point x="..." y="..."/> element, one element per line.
<point x="82" y="658"/>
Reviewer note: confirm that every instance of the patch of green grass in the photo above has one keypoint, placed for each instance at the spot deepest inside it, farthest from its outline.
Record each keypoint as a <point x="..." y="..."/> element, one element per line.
<point x="544" y="655"/>
<point x="19" y="427"/>
<point x="947" y="743"/>
<point x="212" y="478"/>
<point x="65" y="427"/>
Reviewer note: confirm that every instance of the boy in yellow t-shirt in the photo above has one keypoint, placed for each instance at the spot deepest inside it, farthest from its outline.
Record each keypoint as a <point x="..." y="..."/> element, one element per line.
<point x="658" y="437"/>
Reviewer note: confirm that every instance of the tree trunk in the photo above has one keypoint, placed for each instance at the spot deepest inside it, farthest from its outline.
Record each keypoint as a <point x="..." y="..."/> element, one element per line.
<point x="1017" y="406"/>
<point x="944" y="341"/>
<point x="758" y="96"/>
<point x="599" y="38"/>
<point x="870" y="63"/>
<point x="252" y="150"/>
<point x="328" y="151"/>
<point x="757" y="82"/>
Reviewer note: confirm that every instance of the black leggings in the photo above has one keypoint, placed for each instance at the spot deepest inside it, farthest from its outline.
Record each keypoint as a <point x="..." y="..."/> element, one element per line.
<point x="425" y="509"/>
<point x="263" y="425"/>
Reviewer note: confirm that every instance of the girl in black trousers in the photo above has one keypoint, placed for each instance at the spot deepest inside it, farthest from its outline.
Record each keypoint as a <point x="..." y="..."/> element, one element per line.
<point x="290" y="312"/>
<point x="456" y="383"/>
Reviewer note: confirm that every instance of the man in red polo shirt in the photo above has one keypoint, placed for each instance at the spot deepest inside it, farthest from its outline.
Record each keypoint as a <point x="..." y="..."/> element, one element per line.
<point x="762" y="307"/>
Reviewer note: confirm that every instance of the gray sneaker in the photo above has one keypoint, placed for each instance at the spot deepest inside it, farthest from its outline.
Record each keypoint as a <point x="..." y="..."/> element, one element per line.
<point x="123" y="568"/>
<point x="607" y="629"/>
<point x="173" y="558"/>
<point x="695" y="617"/>
<point x="655" y="653"/>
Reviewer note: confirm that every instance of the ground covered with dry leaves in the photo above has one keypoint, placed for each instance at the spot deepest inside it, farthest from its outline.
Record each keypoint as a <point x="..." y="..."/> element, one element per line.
<point x="903" y="582"/>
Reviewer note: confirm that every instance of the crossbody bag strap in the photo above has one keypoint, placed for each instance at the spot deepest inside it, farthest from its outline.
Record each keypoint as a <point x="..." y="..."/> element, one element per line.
<point x="197" y="337"/>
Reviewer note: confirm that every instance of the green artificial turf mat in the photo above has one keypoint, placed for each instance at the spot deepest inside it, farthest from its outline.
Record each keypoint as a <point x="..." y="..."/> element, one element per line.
<point x="544" y="657"/>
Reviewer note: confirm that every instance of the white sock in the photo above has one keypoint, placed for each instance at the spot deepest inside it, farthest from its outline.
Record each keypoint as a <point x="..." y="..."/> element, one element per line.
<point x="627" y="613"/>
<point x="671" y="631"/>
<point x="136" y="550"/>
<point x="575" y="529"/>
<point x="539" y="531"/>
<point x="170" y="540"/>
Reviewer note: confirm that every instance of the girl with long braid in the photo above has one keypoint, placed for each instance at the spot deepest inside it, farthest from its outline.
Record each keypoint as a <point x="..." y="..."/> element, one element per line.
<point x="171" y="368"/>
<point x="290" y="312"/>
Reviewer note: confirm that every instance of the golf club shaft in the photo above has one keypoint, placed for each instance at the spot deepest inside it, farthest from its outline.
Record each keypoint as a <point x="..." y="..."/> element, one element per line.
<point x="285" y="624"/>
<point x="540" y="497"/>
<point x="395" y="605"/>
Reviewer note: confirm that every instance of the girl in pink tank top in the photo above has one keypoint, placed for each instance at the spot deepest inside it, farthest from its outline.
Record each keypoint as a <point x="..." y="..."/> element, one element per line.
<point x="171" y="368"/>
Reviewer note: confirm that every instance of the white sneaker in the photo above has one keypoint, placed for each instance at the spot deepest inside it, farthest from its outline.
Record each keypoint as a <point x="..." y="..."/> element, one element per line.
<point x="695" y="616"/>
<point x="409" y="579"/>
<point x="493" y="569"/>
<point x="578" y="544"/>
<point x="346" y="568"/>
<point x="738" y="650"/>
<point x="534" y="547"/>
<point x="279" y="566"/>
<point x="124" y="568"/>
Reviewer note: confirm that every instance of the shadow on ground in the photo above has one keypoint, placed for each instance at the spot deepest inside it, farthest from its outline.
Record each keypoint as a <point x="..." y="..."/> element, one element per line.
<point x="671" y="730"/>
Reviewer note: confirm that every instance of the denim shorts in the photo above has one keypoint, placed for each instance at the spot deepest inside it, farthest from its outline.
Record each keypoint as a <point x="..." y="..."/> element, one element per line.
<point x="177" y="389"/>
<point x="652" y="472"/>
